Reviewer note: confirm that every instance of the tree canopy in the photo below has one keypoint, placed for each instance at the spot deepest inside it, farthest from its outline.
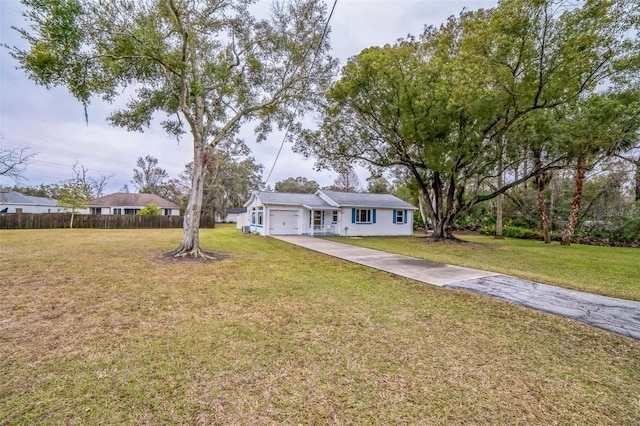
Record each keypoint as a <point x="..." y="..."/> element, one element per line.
<point x="440" y="106"/>
<point x="207" y="67"/>
<point x="298" y="185"/>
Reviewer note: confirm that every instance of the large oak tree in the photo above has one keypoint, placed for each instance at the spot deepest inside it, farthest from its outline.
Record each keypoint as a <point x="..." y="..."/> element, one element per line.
<point x="441" y="107"/>
<point x="208" y="66"/>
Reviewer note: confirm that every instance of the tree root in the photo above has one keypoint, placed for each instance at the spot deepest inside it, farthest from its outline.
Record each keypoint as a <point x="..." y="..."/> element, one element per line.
<point x="195" y="254"/>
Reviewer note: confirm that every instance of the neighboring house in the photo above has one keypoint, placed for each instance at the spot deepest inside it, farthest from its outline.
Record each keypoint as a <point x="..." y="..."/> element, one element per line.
<point x="328" y="213"/>
<point x="127" y="203"/>
<point x="231" y="215"/>
<point x="15" y="202"/>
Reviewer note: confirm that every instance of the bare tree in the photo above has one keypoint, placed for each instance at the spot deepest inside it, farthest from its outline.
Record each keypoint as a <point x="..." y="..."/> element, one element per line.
<point x="347" y="181"/>
<point x="94" y="186"/>
<point x="14" y="161"/>
<point x="148" y="177"/>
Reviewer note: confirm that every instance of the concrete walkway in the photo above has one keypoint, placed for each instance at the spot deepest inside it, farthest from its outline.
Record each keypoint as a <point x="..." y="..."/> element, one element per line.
<point x="616" y="315"/>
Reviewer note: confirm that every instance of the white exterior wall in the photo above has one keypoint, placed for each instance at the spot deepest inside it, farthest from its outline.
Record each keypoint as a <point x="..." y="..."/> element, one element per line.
<point x="242" y="221"/>
<point x="111" y="210"/>
<point x="254" y="227"/>
<point x="31" y="208"/>
<point x="383" y="225"/>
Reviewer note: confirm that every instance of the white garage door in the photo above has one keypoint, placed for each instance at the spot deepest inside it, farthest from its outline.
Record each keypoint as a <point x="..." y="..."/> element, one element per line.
<point x="283" y="222"/>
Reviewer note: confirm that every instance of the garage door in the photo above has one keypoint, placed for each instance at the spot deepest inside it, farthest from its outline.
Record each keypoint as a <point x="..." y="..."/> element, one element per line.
<point x="283" y="222"/>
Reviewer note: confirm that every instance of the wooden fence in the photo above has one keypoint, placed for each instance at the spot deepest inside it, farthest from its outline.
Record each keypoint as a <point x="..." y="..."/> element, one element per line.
<point x="98" y="221"/>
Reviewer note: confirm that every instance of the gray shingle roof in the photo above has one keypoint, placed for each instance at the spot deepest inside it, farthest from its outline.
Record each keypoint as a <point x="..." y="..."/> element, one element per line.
<point x="289" y="199"/>
<point x="357" y="199"/>
<point x="121" y="199"/>
<point x="12" y="197"/>
<point x="342" y="199"/>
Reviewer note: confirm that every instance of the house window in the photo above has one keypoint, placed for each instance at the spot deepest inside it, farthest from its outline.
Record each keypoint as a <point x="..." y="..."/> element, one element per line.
<point x="399" y="218"/>
<point x="253" y="215"/>
<point x="117" y="211"/>
<point x="363" y="215"/>
<point x="96" y="210"/>
<point x="167" y="212"/>
<point x="131" y="211"/>
<point x="334" y="216"/>
<point x="260" y="215"/>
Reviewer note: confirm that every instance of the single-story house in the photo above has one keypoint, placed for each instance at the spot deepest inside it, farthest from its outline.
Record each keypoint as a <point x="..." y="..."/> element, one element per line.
<point x="15" y="202"/>
<point x="328" y="213"/>
<point x="128" y="203"/>
<point x="231" y="215"/>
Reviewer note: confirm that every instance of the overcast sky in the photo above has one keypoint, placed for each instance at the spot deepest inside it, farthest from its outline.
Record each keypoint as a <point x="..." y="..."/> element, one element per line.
<point x="51" y="123"/>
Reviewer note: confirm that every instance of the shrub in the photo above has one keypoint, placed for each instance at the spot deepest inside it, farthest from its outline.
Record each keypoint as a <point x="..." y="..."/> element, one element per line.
<point x="509" y="231"/>
<point x="149" y="210"/>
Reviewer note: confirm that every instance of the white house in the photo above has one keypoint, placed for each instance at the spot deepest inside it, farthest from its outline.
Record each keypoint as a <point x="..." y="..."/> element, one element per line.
<point x="328" y="213"/>
<point x="15" y="202"/>
<point x="230" y="215"/>
<point x="128" y="203"/>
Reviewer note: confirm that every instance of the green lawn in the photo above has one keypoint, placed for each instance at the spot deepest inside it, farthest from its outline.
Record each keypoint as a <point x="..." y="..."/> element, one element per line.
<point x="96" y="327"/>
<point x="610" y="271"/>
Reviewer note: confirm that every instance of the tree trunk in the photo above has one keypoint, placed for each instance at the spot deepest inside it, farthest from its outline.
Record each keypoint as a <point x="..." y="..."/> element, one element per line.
<point x="637" y="163"/>
<point x="442" y="230"/>
<point x="567" y="234"/>
<point x="499" y="201"/>
<point x="190" y="244"/>
<point x="442" y="223"/>
<point x="421" y="208"/>
<point x="73" y="212"/>
<point x="541" y="183"/>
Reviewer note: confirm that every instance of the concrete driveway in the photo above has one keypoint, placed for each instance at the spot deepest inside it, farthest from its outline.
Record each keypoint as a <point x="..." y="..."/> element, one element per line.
<point x="608" y="313"/>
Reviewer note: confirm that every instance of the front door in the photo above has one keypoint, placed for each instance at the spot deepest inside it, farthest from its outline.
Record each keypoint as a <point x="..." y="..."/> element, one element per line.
<point x="318" y="219"/>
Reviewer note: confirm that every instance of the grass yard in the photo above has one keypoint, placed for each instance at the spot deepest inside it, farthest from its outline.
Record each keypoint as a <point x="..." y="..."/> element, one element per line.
<point x="610" y="271"/>
<point x="97" y="328"/>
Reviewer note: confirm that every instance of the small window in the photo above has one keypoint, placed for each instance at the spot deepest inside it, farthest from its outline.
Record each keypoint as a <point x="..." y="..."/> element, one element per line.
<point x="95" y="210"/>
<point x="363" y="215"/>
<point x="334" y="216"/>
<point x="167" y="212"/>
<point x="117" y="211"/>
<point x="399" y="217"/>
<point x="260" y="216"/>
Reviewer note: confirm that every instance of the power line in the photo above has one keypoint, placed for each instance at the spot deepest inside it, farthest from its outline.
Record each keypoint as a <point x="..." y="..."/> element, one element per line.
<point x="315" y="57"/>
